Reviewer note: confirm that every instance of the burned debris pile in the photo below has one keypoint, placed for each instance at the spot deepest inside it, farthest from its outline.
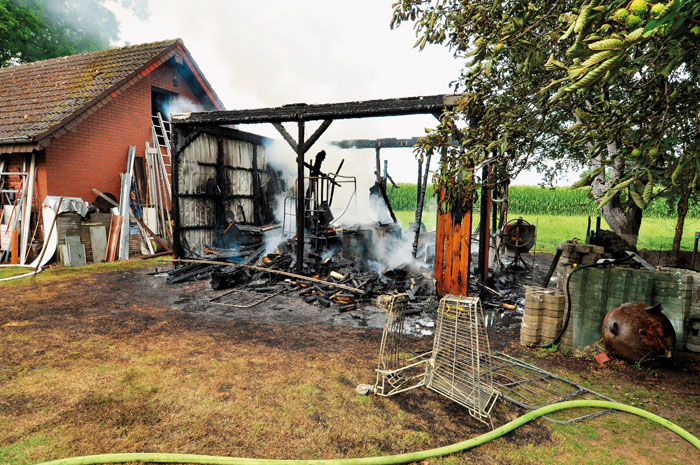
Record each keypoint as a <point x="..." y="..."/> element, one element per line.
<point x="334" y="282"/>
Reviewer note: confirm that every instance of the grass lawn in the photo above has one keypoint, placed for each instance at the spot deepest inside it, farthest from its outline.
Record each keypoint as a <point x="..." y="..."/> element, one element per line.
<point x="59" y="272"/>
<point x="656" y="233"/>
<point x="109" y="362"/>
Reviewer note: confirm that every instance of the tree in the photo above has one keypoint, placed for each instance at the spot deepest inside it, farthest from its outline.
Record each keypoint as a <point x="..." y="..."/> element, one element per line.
<point x="570" y="82"/>
<point x="32" y="30"/>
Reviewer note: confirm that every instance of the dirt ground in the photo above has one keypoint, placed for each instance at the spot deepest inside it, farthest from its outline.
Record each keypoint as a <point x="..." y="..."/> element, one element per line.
<point x="119" y="361"/>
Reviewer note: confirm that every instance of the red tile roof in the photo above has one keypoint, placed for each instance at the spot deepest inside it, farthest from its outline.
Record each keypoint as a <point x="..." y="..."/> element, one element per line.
<point x="37" y="99"/>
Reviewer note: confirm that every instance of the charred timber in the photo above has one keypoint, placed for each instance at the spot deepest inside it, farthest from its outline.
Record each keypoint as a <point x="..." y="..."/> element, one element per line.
<point x="214" y="195"/>
<point x="231" y="167"/>
<point x="390" y="143"/>
<point x="192" y="135"/>
<point x="303" y="112"/>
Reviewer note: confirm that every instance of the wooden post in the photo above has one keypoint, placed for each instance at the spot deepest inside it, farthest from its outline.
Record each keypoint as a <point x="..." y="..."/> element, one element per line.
<point x="456" y="258"/>
<point x="300" y="199"/>
<point x="695" y="249"/>
<point x="449" y="235"/>
<point x="439" y="248"/>
<point x="484" y="227"/>
<point x="14" y="247"/>
<point x="465" y="252"/>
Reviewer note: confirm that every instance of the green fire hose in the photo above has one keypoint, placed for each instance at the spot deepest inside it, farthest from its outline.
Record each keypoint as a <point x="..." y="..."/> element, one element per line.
<point x="385" y="460"/>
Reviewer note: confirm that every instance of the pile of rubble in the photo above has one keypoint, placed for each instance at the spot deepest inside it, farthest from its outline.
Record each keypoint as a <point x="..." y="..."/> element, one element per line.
<point x="329" y="282"/>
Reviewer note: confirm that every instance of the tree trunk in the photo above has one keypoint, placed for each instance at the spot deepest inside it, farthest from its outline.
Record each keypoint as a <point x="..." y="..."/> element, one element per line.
<point x="683" y="201"/>
<point x="624" y="219"/>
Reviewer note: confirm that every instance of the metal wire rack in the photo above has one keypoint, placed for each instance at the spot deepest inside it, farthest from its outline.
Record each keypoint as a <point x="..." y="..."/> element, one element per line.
<point x="398" y="370"/>
<point x="460" y="367"/>
<point x="530" y="387"/>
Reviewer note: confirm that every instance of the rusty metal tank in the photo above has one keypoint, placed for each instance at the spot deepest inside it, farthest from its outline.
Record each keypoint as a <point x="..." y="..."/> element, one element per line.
<point x="637" y="332"/>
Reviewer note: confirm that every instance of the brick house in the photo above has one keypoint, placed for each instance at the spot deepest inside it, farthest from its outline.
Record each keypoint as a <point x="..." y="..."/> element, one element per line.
<point x="79" y="114"/>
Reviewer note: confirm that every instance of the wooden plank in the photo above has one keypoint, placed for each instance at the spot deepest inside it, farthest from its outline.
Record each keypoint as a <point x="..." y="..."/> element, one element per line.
<point x="465" y="253"/>
<point x="449" y="233"/>
<point x="269" y="270"/>
<point x="439" y="253"/>
<point x="98" y="241"/>
<point x="456" y="241"/>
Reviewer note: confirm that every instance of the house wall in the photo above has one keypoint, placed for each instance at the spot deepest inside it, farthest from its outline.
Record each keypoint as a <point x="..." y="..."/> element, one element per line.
<point x="93" y="155"/>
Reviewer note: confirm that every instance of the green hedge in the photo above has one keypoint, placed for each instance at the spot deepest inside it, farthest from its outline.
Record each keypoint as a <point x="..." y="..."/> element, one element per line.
<point x="533" y="200"/>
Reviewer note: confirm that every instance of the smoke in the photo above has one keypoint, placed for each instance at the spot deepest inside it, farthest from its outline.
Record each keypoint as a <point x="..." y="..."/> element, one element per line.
<point x="82" y="25"/>
<point x="182" y="104"/>
<point x="352" y="205"/>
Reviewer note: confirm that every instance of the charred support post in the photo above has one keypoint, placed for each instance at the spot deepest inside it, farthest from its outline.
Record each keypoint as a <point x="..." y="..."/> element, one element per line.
<point x="484" y="226"/>
<point x="422" y="187"/>
<point x="300" y="198"/>
<point x="219" y="205"/>
<point x="257" y="193"/>
<point x="176" y="141"/>
<point x="301" y="146"/>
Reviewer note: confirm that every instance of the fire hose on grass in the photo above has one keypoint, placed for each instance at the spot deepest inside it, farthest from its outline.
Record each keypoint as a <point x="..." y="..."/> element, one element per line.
<point x="382" y="460"/>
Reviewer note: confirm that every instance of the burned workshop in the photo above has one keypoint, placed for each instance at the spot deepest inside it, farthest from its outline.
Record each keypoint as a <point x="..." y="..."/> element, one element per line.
<point x="231" y="202"/>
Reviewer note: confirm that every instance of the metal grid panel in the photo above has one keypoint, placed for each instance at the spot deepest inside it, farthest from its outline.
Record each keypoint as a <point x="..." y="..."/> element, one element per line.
<point x="457" y="369"/>
<point x="531" y="387"/>
<point x="397" y="371"/>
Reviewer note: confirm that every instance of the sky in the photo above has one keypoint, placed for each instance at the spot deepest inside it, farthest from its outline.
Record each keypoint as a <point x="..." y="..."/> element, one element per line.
<point x="267" y="53"/>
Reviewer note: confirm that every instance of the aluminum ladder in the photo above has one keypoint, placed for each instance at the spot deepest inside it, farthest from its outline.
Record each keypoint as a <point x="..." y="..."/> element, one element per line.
<point x="160" y="132"/>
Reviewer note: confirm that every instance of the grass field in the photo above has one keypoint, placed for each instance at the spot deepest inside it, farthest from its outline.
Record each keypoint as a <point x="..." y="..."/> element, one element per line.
<point x="537" y="200"/>
<point x="656" y="233"/>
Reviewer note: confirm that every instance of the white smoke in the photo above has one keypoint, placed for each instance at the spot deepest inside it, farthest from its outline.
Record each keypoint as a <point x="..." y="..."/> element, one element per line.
<point x="352" y="204"/>
<point x="182" y="104"/>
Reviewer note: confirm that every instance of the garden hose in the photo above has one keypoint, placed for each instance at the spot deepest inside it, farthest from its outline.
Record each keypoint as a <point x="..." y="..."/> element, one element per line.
<point x="383" y="460"/>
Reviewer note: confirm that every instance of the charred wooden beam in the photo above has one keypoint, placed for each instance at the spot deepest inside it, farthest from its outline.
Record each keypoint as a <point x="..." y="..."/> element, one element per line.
<point x="286" y="136"/>
<point x="390" y="143"/>
<point x="300" y="199"/>
<point x="217" y="196"/>
<point x="433" y="104"/>
<point x="236" y="168"/>
<point x="317" y="134"/>
<point x="195" y="227"/>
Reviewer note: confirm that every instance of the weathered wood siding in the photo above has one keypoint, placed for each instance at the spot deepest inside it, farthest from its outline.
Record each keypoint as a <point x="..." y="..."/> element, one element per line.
<point x="209" y="188"/>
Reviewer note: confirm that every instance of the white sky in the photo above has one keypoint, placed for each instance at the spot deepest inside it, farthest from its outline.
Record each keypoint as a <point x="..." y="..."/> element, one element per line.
<point x="268" y="53"/>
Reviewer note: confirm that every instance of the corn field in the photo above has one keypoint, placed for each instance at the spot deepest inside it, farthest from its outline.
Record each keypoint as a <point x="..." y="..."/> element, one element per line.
<point x="533" y="200"/>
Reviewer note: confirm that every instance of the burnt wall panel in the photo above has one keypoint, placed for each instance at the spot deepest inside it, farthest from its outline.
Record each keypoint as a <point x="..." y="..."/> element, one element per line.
<point x="217" y="180"/>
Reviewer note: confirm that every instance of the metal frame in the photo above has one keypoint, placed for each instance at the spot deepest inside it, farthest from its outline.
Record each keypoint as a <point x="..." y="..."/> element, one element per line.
<point x="461" y="367"/>
<point x="530" y="387"/>
<point x="397" y="373"/>
<point x="458" y="368"/>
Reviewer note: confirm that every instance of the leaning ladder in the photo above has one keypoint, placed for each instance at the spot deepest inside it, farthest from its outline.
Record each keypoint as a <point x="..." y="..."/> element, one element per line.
<point x="19" y="204"/>
<point x="160" y="132"/>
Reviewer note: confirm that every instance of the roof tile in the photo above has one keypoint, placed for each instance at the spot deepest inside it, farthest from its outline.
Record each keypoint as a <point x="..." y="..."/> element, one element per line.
<point x="37" y="96"/>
